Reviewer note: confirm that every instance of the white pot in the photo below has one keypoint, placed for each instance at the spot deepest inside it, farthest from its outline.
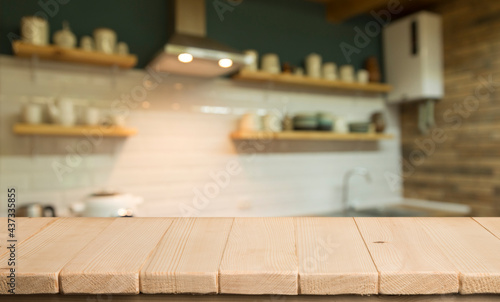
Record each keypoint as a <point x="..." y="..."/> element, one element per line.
<point x="108" y="205"/>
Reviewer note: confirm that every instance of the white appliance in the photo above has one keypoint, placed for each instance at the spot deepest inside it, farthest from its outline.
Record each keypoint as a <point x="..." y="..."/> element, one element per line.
<point x="107" y="204"/>
<point x="413" y="55"/>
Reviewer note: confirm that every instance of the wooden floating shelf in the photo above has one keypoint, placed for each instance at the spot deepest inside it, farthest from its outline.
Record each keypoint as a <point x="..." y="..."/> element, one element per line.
<point x="56" y="53"/>
<point x="58" y="130"/>
<point x="290" y="79"/>
<point x="309" y="135"/>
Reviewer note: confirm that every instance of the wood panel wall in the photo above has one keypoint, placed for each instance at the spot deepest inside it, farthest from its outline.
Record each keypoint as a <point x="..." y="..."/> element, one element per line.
<point x="465" y="165"/>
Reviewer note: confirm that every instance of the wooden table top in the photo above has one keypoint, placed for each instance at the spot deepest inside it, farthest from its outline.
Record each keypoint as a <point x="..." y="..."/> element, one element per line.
<point x="253" y="256"/>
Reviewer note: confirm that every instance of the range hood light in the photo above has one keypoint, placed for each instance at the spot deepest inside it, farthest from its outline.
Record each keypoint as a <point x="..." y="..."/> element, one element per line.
<point x="188" y="43"/>
<point x="225" y="63"/>
<point x="185" y="58"/>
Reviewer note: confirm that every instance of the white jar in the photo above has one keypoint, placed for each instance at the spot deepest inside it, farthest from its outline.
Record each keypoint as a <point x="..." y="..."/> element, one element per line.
<point x="64" y="38"/>
<point x="86" y="43"/>
<point x="272" y="122"/>
<point x="105" y="40"/>
<point x="313" y="65"/>
<point x="35" y="30"/>
<point x="252" y="56"/>
<point x="363" y="76"/>
<point x="122" y="48"/>
<point x="347" y="73"/>
<point x="271" y="63"/>
<point x="32" y="114"/>
<point x="330" y="71"/>
<point x="250" y="122"/>
<point x="92" y="116"/>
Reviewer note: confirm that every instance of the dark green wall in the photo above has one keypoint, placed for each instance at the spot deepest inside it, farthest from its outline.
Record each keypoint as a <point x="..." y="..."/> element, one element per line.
<point x="291" y="28"/>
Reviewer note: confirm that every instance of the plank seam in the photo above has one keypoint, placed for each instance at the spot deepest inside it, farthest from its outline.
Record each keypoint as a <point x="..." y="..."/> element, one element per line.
<point x="369" y="252"/>
<point x="38" y="231"/>
<point x="295" y="236"/>
<point x="42" y="228"/>
<point x="485" y="228"/>
<point x="152" y="251"/>
<point x="222" y="257"/>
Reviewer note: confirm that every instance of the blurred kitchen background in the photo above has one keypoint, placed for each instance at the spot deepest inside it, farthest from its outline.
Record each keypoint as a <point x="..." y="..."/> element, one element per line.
<point x="327" y="107"/>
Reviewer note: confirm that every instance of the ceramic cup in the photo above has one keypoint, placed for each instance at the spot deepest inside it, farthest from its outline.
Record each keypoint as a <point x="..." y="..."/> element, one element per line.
<point x="347" y="73"/>
<point x="105" y="40"/>
<point x="122" y="48"/>
<point x="250" y="122"/>
<point x="118" y="120"/>
<point x="298" y="71"/>
<point x="62" y="112"/>
<point x="67" y="112"/>
<point x="313" y="65"/>
<point x="271" y="63"/>
<point x="32" y="114"/>
<point x="35" y="30"/>
<point x="341" y="126"/>
<point x="330" y="71"/>
<point x="272" y="122"/>
<point x="252" y="56"/>
<point x="92" y="116"/>
<point x="87" y="43"/>
<point x="363" y="76"/>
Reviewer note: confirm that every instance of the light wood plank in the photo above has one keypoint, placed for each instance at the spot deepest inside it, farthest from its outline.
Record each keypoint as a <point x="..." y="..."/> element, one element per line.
<point x="474" y="251"/>
<point x="408" y="260"/>
<point x="41" y="257"/>
<point x="260" y="258"/>
<point x="333" y="258"/>
<point x="188" y="257"/>
<point x="112" y="261"/>
<point x="492" y="224"/>
<point x="25" y="228"/>
<point x="246" y="298"/>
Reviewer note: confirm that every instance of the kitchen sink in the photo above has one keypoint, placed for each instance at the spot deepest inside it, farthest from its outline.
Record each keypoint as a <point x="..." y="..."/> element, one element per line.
<point x="383" y="212"/>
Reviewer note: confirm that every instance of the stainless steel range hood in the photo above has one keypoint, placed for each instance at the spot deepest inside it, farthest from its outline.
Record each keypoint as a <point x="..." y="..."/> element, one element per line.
<point x="189" y="52"/>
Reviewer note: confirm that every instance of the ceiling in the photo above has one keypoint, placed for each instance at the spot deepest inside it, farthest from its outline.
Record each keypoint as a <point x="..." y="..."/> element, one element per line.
<point x="340" y="10"/>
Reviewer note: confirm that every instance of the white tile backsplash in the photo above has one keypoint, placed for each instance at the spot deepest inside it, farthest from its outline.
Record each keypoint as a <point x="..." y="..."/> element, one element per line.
<point x="183" y="139"/>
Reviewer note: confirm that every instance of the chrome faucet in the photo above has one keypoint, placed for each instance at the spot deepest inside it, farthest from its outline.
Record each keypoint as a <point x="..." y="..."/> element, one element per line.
<point x="345" y="185"/>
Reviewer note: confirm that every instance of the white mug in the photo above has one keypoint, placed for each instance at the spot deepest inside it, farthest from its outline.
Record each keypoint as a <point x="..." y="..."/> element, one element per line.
<point x="92" y="116"/>
<point x="122" y="48"/>
<point x="313" y="65"/>
<point x="252" y="56"/>
<point x="35" y="30"/>
<point x="32" y="114"/>
<point x="272" y="122"/>
<point x="299" y="71"/>
<point x="86" y="43"/>
<point x="271" y="63"/>
<point x="347" y="73"/>
<point x="330" y="71"/>
<point x="105" y="40"/>
<point x="363" y="76"/>
<point x="250" y="122"/>
<point x="340" y="126"/>
<point x="118" y="120"/>
<point x="67" y="120"/>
